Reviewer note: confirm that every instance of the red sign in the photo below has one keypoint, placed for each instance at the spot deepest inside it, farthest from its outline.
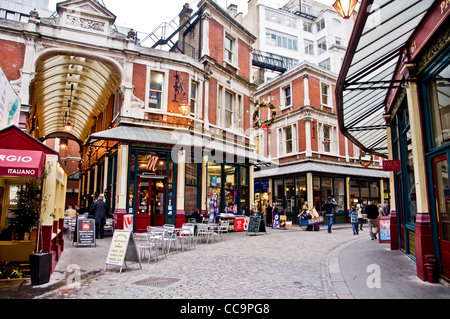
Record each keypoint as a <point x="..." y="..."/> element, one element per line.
<point x="21" y="163"/>
<point x="391" y="165"/>
<point x="241" y="223"/>
<point x="85" y="226"/>
<point x="437" y="16"/>
<point x="151" y="164"/>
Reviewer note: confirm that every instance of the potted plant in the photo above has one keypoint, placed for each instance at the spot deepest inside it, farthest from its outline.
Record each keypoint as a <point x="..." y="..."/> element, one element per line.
<point x="28" y="200"/>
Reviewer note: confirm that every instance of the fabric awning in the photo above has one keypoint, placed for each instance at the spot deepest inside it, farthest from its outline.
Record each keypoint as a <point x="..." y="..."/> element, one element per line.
<point x="382" y="30"/>
<point x="21" y="163"/>
<point x="178" y="138"/>
<point x="321" y="168"/>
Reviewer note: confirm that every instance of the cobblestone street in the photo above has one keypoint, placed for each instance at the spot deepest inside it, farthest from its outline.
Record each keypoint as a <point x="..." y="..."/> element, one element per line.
<point x="279" y="264"/>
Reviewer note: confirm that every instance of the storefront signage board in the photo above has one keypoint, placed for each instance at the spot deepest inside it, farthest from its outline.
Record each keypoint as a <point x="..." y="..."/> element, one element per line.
<point x="391" y="165"/>
<point x="122" y="249"/>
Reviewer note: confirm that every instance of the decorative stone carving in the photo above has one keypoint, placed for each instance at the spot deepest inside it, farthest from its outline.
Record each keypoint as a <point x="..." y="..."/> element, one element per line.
<point x="85" y="23"/>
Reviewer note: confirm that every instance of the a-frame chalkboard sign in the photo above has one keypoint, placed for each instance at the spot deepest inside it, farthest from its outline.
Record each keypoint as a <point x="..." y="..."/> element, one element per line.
<point x="256" y="225"/>
<point x="122" y="249"/>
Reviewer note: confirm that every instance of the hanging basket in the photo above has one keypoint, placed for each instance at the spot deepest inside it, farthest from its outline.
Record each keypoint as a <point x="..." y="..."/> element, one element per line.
<point x="265" y="124"/>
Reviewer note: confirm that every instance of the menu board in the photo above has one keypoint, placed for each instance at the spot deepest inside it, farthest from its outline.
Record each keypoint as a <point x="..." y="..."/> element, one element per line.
<point x="85" y="231"/>
<point x="255" y="225"/>
<point x="122" y="249"/>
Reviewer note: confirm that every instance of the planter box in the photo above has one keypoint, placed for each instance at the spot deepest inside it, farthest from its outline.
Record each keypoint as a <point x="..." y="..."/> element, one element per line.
<point x="15" y="282"/>
<point x="40" y="268"/>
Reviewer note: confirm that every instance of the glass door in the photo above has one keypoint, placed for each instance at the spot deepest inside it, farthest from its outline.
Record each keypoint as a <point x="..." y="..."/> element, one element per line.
<point x="442" y="193"/>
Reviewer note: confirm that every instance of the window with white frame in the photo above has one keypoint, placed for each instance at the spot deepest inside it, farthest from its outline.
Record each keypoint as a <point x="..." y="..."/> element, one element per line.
<point x="219" y="106"/>
<point x="193" y="97"/>
<point x="322" y="45"/>
<point x="229" y="109"/>
<point x="229" y="45"/>
<point x="281" y="19"/>
<point x="287" y="97"/>
<point x="325" y="94"/>
<point x="281" y="40"/>
<point x="155" y="92"/>
<point x="320" y="24"/>
<point x="309" y="46"/>
<point x="326" y="140"/>
<point x="287" y="139"/>
<point x="307" y="26"/>
<point x="325" y="64"/>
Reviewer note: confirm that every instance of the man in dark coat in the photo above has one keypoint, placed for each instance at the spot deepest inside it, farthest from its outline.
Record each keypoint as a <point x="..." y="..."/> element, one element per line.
<point x="100" y="210"/>
<point x="329" y="207"/>
<point x="269" y="215"/>
<point x="372" y="219"/>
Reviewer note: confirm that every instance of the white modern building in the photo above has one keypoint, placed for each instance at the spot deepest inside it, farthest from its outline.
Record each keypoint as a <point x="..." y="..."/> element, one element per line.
<point x="295" y="32"/>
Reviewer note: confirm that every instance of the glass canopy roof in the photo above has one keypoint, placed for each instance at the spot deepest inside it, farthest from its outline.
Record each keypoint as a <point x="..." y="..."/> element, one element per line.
<point x="381" y="32"/>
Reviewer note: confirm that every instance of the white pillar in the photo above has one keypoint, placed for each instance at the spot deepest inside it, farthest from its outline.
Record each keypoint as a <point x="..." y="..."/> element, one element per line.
<point x="122" y="170"/>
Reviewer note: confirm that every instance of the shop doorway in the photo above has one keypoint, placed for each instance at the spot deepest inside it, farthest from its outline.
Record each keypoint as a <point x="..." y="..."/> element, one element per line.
<point x="150" y="203"/>
<point x="442" y="193"/>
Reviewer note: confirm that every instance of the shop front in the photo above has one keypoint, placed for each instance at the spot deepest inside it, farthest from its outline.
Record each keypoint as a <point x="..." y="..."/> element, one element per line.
<point x="409" y="51"/>
<point x="293" y="185"/>
<point x="26" y="162"/>
<point x="163" y="178"/>
<point x="151" y="187"/>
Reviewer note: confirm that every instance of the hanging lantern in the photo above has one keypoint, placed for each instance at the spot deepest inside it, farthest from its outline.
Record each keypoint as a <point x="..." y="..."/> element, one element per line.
<point x="345" y="7"/>
<point x="68" y="127"/>
<point x="184" y="106"/>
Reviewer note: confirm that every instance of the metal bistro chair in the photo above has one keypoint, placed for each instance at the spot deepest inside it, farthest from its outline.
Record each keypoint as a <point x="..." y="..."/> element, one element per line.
<point x="203" y="232"/>
<point x="71" y="226"/>
<point x="223" y="228"/>
<point x="214" y="231"/>
<point x="158" y="236"/>
<point x="171" y="237"/>
<point x="188" y="232"/>
<point x="144" y="243"/>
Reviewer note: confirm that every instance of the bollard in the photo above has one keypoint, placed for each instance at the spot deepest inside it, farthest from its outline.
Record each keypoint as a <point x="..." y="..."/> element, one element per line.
<point x="430" y="267"/>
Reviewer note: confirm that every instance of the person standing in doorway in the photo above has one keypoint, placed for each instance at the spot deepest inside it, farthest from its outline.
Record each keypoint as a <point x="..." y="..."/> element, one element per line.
<point x="269" y="215"/>
<point x="372" y="217"/>
<point x="329" y="207"/>
<point x="100" y="210"/>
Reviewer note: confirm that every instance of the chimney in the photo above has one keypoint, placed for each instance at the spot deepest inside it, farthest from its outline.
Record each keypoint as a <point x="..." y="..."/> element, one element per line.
<point x="232" y="10"/>
<point x="185" y="13"/>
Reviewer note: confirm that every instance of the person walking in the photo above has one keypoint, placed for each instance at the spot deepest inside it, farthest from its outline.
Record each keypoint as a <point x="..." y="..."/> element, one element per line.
<point x="100" y="210"/>
<point x="329" y="207"/>
<point x="372" y="217"/>
<point x="353" y="214"/>
<point x="360" y="217"/>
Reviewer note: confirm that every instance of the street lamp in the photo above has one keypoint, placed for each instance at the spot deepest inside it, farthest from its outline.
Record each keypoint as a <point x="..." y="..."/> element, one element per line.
<point x="184" y="106"/>
<point x="345" y="7"/>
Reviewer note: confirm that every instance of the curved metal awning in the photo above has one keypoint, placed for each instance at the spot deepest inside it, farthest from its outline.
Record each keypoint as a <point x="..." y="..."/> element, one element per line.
<point x="381" y="32"/>
<point x="88" y="83"/>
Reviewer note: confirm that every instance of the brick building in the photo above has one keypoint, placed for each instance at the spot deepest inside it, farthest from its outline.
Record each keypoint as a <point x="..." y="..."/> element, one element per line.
<point x="137" y="145"/>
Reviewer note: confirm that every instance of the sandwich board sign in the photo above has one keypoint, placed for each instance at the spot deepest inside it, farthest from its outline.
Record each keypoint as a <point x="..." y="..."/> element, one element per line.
<point x="256" y="225"/>
<point x="85" y="231"/>
<point x="122" y="249"/>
